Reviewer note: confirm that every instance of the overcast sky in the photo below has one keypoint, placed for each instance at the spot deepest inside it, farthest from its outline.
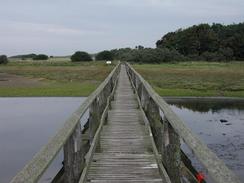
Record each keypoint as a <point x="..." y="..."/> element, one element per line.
<point x="60" y="27"/>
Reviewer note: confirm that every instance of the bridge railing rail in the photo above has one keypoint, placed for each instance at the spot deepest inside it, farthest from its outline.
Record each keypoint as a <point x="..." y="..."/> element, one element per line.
<point x="168" y="130"/>
<point x="74" y="138"/>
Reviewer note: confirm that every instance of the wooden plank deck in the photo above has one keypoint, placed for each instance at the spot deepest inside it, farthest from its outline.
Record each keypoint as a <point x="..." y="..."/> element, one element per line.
<point x="126" y="153"/>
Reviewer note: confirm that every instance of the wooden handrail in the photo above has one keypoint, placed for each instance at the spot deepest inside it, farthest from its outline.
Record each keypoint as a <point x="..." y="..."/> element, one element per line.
<point x="158" y="157"/>
<point x="215" y="167"/>
<point x="96" y="139"/>
<point x="37" y="166"/>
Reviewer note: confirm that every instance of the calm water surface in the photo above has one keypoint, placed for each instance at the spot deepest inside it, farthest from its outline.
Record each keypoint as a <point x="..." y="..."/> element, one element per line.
<point x="218" y="123"/>
<point x="26" y="124"/>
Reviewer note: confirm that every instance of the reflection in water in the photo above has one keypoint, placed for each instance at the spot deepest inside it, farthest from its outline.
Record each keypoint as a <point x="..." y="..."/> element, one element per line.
<point x="218" y="124"/>
<point x="26" y="124"/>
<point x="207" y="104"/>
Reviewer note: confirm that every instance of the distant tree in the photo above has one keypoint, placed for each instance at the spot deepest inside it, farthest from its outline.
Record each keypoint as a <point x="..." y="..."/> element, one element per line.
<point x="104" y="55"/>
<point x="80" y="56"/>
<point x="139" y="47"/>
<point x="3" y="59"/>
<point x="40" y="57"/>
<point x="227" y="53"/>
<point x="207" y="41"/>
<point x="212" y="56"/>
<point x="149" y="55"/>
<point x="121" y="53"/>
<point x="26" y="56"/>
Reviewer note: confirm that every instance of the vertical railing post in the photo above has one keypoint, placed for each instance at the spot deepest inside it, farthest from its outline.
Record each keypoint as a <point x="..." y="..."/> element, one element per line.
<point x="153" y="115"/>
<point x="139" y="90"/>
<point x="93" y="118"/>
<point x="171" y="152"/>
<point x="144" y="98"/>
<point x="165" y="140"/>
<point x="151" y="109"/>
<point x="73" y="156"/>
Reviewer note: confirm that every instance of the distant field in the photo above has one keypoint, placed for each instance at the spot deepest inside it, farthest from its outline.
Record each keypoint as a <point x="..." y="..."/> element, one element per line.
<point x="195" y="78"/>
<point x="60" y="77"/>
<point x="55" y="77"/>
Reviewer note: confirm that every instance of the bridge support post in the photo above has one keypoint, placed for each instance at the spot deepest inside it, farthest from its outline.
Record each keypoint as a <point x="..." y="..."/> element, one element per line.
<point x="73" y="156"/>
<point x="144" y="98"/>
<point x="172" y="152"/>
<point x="154" y="118"/>
<point x="96" y="109"/>
<point x="93" y="118"/>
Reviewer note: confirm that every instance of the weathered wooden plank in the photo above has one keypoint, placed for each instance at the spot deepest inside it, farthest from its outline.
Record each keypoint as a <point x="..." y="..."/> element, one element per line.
<point x="173" y="156"/>
<point x="73" y="156"/>
<point x="117" y="180"/>
<point x="96" y="139"/>
<point x="126" y="150"/>
<point x="140" y="98"/>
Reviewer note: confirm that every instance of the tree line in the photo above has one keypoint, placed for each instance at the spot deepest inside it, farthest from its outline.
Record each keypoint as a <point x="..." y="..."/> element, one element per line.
<point x="201" y="42"/>
<point x="214" y="42"/>
<point x="138" y="54"/>
<point x="204" y="42"/>
<point x="147" y="55"/>
<point x="32" y="56"/>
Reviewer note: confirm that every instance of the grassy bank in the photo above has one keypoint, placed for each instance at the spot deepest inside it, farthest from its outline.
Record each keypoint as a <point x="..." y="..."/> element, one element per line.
<point x="60" y="77"/>
<point x="195" y="78"/>
<point x="56" y="77"/>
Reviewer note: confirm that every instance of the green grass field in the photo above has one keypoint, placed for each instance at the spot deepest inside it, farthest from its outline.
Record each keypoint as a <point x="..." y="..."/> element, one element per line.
<point x="195" y="78"/>
<point x="56" y="77"/>
<point x="60" y="77"/>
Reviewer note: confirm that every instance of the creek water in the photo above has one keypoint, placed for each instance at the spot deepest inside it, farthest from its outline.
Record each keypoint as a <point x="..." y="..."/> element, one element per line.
<point x="26" y="124"/>
<point x="219" y="123"/>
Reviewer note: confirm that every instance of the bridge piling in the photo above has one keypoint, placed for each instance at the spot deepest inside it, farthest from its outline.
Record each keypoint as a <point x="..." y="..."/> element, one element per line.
<point x="173" y="155"/>
<point x="154" y="118"/>
<point x="93" y="119"/>
<point x="73" y="156"/>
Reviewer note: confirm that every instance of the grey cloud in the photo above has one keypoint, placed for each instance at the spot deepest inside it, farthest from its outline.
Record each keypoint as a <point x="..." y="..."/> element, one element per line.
<point x="60" y="27"/>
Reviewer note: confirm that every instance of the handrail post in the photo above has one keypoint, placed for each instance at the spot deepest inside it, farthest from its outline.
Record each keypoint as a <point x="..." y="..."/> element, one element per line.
<point x="144" y="98"/>
<point x="93" y="118"/>
<point x="171" y="152"/>
<point x="73" y="156"/>
<point x="153" y="114"/>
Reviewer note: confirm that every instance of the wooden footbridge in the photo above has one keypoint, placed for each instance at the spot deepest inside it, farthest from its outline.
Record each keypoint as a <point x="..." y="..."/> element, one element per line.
<point x="131" y="135"/>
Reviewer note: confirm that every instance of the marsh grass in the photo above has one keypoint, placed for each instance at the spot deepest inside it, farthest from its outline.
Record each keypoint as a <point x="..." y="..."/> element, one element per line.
<point x="57" y="77"/>
<point x="195" y="78"/>
<point x="61" y="77"/>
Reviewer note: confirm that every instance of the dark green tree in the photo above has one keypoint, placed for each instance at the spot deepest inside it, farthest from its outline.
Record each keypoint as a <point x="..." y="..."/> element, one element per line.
<point x="139" y="47"/>
<point x="104" y="55"/>
<point x="3" y="59"/>
<point x="80" y="56"/>
<point x="26" y="56"/>
<point x="149" y="55"/>
<point x="198" y="41"/>
<point x="40" y="57"/>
